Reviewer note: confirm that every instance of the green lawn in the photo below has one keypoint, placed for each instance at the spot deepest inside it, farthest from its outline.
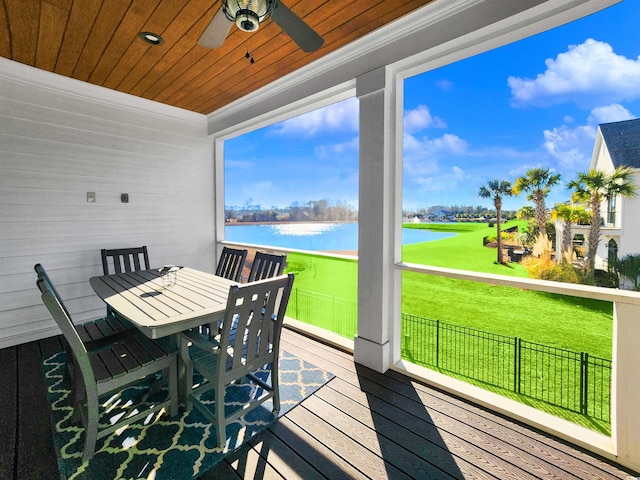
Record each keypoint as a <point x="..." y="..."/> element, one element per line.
<point x="566" y="322"/>
<point x="464" y="251"/>
<point x="570" y="323"/>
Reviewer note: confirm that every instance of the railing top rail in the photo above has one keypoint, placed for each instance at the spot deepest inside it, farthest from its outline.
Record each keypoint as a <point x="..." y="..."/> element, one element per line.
<point x="289" y="250"/>
<point x="575" y="290"/>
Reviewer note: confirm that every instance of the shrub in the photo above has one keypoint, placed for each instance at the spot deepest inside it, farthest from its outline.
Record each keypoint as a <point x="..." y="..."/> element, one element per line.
<point x="544" y="268"/>
<point x="607" y="279"/>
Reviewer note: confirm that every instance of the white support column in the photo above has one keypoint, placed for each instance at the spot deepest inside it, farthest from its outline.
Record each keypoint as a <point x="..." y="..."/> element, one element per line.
<point x="218" y="172"/>
<point x="378" y="282"/>
<point x="625" y="385"/>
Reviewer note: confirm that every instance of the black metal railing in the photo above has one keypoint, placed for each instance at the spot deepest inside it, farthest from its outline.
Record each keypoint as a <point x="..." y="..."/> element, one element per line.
<point x="331" y="313"/>
<point x="576" y="381"/>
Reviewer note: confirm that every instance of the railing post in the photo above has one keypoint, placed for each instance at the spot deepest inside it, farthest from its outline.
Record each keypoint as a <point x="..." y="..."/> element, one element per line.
<point x="438" y="343"/>
<point x="625" y="385"/>
<point x="517" y="360"/>
<point x="584" y="383"/>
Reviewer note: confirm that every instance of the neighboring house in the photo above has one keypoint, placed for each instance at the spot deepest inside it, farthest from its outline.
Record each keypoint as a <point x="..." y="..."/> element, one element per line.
<point x="616" y="144"/>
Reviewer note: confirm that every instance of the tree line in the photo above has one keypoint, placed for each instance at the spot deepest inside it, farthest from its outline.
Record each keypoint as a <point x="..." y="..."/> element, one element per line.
<point x="313" y="211"/>
<point x="457" y="213"/>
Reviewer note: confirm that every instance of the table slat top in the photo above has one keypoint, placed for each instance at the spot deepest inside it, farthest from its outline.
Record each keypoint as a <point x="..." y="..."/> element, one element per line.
<point x="196" y="299"/>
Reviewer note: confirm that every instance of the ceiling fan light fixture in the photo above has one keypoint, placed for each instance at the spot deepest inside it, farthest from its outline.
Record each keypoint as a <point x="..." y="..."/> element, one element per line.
<point x="247" y="14"/>
<point x="247" y="20"/>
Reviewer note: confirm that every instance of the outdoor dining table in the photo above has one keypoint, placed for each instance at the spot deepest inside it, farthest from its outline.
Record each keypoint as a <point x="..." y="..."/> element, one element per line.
<point x="197" y="298"/>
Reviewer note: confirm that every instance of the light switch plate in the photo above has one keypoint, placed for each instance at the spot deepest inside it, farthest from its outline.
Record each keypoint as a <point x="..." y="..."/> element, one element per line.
<point x="91" y="197"/>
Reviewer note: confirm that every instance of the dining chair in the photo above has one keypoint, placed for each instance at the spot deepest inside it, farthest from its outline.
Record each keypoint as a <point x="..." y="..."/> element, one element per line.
<point x="231" y="263"/>
<point x="266" y="265"/>
<point x="124" y="260"/>
<point x="249" y="341"/>
<point x="110" y="370"/>
<point x="95" y="334"/>
<point x="229" y="266"/>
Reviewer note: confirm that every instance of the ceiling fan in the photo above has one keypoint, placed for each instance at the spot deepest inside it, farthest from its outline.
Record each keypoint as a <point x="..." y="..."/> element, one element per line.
<point x="248" y="14"/>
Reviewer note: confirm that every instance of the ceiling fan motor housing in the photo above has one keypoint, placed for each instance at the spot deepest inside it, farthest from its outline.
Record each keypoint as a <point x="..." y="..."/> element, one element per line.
<point x="247" y="14"/>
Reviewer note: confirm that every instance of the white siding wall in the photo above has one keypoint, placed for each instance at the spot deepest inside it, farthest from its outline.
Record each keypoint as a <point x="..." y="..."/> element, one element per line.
<point x="60" y="139"/>
<point x="630" y="209"/>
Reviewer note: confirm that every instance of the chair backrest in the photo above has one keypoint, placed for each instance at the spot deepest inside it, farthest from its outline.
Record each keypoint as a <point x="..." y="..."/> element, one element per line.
<point x="266" y="265"/>
<point x="231" y="263"/>
<point x="252" y="325"/>
<point x="59" y="313"/>
<point x="125" y="260"/>
<point x="42" y="274"/>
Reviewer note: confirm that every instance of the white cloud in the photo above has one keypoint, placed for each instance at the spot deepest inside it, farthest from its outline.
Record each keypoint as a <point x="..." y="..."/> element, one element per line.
<point x="608" y="114"/>
<point x="420" y="118"/>
<point x="588" y="74"/>
<point x="344" y="148"/>
<point x="421" y="155"/>
<point x="341" y="116"/>
<point x="572" y="147"/>
<point x="447" y="144"/>
<point x="446" y="181"/>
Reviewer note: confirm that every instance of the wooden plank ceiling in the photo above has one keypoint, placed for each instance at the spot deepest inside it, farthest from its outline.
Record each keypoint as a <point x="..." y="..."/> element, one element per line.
<point x="97" y="41"/>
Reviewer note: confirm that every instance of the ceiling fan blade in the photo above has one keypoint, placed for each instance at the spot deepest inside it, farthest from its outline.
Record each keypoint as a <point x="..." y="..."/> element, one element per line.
<point x="301" y="33"/>
<point x="216" y="31"/>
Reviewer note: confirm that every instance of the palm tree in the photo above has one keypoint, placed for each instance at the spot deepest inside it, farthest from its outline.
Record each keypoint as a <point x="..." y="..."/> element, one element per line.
<point x="569" y="215"/>
<point x="594" y="187"/>
<point x="629" y="267"/>
<point x="526" y="212"/>
<point x="496" y="189"/>
<point x="537" y="182"/>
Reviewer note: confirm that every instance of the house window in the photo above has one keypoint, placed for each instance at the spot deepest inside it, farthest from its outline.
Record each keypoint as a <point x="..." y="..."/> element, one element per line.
<point x="611" y="211"/>
<point x="612" y="249"/>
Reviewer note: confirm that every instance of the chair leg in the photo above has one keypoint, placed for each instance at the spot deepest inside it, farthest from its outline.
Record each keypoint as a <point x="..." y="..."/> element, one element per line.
<point x="221" y="423"/>
<point x="91" y="428"/>
<point x="275" y="385"/>
<point x="173" y="386"/>
<point x="186" y="373"/>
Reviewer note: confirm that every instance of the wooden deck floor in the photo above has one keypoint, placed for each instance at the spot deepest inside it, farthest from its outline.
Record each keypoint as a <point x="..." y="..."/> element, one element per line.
<point x="362" y="424"/>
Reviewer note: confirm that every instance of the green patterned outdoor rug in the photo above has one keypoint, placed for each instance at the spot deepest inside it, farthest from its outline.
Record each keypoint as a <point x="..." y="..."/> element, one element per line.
<point x="182" y="447"/>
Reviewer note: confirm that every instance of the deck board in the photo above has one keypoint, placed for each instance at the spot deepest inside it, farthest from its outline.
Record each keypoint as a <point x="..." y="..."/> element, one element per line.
<point x="362" y="424"/>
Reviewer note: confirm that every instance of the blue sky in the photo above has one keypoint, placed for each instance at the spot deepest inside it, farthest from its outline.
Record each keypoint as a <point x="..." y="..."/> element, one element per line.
<point x="534" y="103"/>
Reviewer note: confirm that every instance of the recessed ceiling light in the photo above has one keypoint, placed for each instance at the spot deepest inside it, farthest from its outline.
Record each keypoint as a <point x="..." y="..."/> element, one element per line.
<point x="150" y="37"/>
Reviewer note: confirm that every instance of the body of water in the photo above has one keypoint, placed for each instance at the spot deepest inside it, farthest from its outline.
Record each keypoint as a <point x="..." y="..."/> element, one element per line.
<point x="315" y="236"/>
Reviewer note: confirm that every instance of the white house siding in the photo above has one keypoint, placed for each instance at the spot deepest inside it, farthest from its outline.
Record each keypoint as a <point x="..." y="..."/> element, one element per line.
<point x="630" y="224"/>
<point x="59" y="139"/>
<point x="626" y="230"/>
